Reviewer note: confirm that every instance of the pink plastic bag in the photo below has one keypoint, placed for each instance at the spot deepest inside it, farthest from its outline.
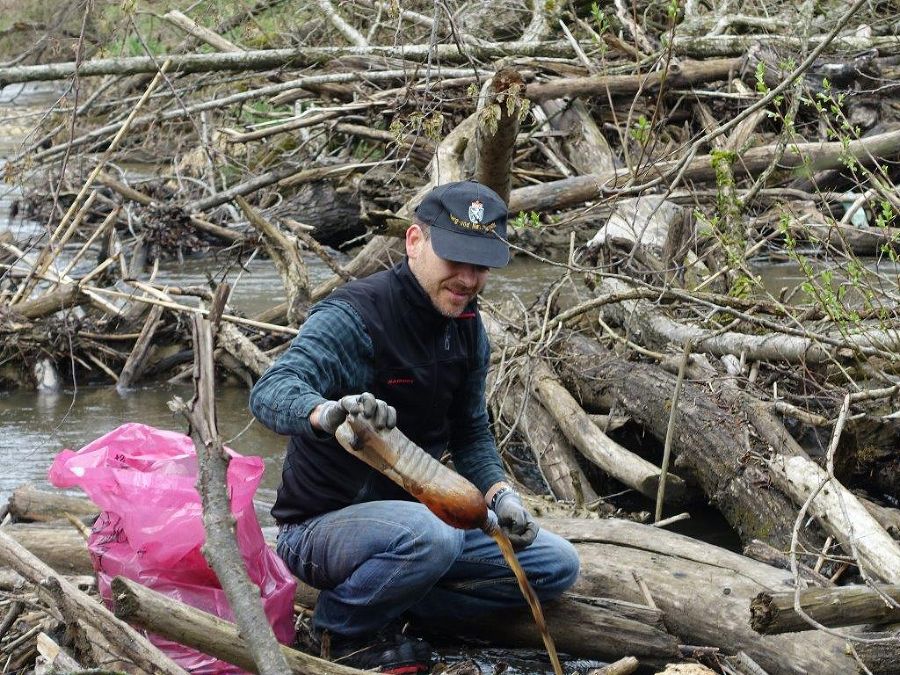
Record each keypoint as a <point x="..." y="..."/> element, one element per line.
<point x="151" y="527"/>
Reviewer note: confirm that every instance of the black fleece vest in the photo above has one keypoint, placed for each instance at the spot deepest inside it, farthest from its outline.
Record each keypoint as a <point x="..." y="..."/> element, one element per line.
<point x="421" y="360"/>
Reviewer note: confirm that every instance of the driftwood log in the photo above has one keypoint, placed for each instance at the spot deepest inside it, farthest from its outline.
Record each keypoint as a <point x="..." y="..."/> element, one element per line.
<point x="555" y="456"/>
<point x="771" y="614"/>
<point x="840" y="513"/>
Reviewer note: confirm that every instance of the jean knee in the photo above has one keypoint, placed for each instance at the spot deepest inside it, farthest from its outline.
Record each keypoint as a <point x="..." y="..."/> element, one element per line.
<point x="442" y="543"/>
<point x="561" y="571"/>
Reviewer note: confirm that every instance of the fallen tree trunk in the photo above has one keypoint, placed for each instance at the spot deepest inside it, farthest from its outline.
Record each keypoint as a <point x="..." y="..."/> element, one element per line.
<point x="618" y="462"/>
<point x="687" y="73"/>
<point x="773" y="613"/>
<point x="27" y="503"/>
<point x="67" y="296"/>
<point x="578" y="628"/>
<point x="709" y="444"/>
<point x="703" y="591"/>
<point x="554" y="455"/>
<point x="265" y="59"/>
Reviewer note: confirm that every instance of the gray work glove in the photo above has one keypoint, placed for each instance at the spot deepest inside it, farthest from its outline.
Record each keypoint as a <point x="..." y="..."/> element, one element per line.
<point x="514" y="518"/>
<point x="333" y="413"/>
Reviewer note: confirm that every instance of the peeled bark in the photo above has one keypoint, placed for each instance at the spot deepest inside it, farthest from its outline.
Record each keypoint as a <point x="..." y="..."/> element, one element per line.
<point x="615" y="460"/>
<point x="840" y="513"/>
<point x="552" y="451"/>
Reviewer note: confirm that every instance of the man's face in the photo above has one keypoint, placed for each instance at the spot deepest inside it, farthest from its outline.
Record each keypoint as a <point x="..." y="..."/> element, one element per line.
<point x="450" y="285"/>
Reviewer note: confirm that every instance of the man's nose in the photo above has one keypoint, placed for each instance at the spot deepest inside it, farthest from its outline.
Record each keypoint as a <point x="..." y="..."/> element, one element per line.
<point x="468" y="273"/>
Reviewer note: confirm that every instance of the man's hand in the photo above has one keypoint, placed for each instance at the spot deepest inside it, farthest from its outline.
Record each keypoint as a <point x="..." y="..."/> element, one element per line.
<point x="332" y="414"/>
<point x="514" y="518"/>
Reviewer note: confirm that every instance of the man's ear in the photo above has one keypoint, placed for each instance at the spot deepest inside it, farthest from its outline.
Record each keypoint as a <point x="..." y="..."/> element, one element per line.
<point x="415" y="240"/>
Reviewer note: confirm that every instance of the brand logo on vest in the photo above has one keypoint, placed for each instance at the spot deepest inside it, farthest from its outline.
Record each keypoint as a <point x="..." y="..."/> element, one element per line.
<point x="400" y="380"/>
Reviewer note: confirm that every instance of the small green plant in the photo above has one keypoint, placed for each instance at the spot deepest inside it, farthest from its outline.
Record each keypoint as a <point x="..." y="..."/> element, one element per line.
<point x="672" y="10"/>
<point x="640" y="131"/>
<point x="530" y="219"/>
<point x="602" y="27"/>
<point x="885" y="215"/>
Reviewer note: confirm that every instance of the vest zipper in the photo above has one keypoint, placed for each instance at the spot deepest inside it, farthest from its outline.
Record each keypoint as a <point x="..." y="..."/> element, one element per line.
<point x="447" y="338"/>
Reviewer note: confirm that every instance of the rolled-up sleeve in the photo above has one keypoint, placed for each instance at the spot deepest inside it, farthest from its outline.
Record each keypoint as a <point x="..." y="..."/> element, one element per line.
<point x="330" y="356"/>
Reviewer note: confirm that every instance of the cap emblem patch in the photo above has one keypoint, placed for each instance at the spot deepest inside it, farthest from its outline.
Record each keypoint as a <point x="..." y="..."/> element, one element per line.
<point x="476" y="211"/>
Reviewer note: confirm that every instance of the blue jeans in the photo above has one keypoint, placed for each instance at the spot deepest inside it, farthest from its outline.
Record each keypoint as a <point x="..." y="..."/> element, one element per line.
<point x="378" y="560"/>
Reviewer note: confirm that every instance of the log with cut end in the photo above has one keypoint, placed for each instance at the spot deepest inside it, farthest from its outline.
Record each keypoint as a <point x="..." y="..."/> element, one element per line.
<point x="773" y="613"/>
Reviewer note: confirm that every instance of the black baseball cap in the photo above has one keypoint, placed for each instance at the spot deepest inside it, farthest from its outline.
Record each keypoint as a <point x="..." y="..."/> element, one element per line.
<point x="468" y="223"/>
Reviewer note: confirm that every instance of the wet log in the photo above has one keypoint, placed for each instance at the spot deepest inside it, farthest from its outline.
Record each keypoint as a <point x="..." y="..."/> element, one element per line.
<point x="77" y="606"/>
<point x="207" y="633"/>
<point x="27" y="503"/>
<point x="882" y="657"/>
<point x="840" y="513"/>
<point x="774" y="613"/>
<point x="703" y="591"/>
<point x="242" y="348"/>
<point x="66" y="296"/>
<point x="137" y="359"/>
<point x="62" y="548"/>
